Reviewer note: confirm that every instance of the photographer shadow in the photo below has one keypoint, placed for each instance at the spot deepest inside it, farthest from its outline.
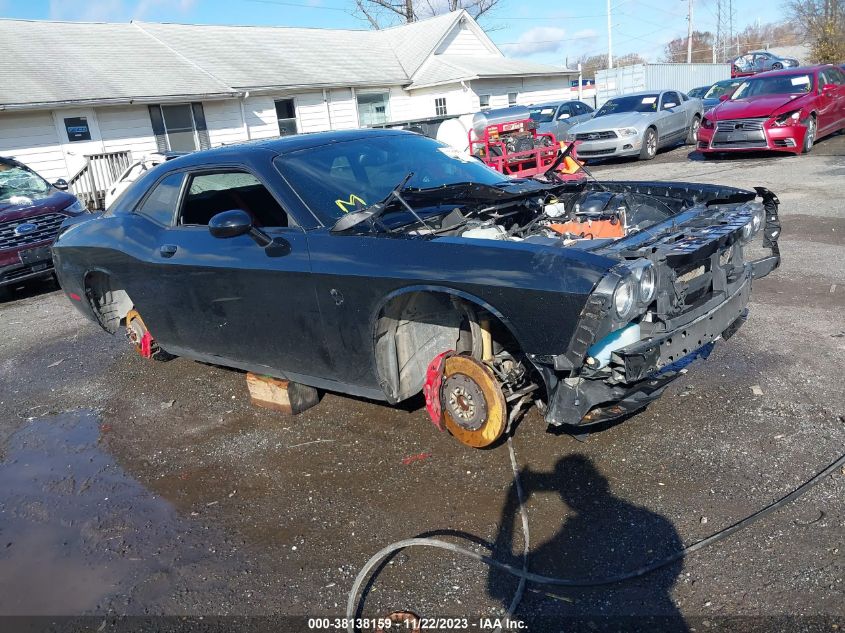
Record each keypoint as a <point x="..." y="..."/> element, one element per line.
<point x="601" y="536"/>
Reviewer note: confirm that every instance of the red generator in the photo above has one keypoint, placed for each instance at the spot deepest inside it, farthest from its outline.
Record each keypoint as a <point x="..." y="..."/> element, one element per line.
<point x="507" y="140"/>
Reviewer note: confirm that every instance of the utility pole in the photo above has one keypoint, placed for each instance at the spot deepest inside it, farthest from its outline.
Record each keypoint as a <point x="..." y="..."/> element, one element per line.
<point x="689" y="32"/>
<point x="609" y="39"/>
<point x="718" y="40"/>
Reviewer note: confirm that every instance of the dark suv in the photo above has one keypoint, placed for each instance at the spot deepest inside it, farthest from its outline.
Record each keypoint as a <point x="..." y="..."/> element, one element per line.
<point x="31" y="212"/>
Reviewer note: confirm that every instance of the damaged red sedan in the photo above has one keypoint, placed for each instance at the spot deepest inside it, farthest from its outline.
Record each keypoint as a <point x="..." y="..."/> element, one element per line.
<point x="782" y="111"/>
<point x="381" y="263"/>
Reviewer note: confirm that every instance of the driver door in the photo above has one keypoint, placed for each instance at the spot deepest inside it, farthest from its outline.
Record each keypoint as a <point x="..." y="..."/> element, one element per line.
<point x="672" y="117"/>
<point x="230" y="298"/>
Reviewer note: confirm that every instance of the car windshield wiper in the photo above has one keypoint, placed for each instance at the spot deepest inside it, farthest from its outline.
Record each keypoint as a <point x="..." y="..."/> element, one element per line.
<point x="375" y="210"/>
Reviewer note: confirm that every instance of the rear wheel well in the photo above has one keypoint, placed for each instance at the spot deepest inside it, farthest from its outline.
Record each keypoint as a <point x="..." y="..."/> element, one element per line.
<point x="413" y="328"/>
<point x="108" y="301"/>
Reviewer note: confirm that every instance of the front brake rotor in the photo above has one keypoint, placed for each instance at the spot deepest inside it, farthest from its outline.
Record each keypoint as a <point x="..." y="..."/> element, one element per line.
<point x="474" y="407"/>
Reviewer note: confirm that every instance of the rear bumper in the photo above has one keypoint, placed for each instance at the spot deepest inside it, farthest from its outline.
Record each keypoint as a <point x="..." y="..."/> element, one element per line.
<point x="25" y="264"/>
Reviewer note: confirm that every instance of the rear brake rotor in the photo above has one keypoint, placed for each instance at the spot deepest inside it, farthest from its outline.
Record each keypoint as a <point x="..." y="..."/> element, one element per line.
<point x="474" y="407"/>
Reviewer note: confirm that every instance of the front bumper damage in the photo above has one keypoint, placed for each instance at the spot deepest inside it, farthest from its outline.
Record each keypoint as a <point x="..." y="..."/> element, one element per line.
<point x="639" y="373"/>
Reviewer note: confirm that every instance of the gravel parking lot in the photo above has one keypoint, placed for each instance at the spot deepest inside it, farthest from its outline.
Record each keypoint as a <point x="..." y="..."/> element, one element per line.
<point x="134" y="487"/>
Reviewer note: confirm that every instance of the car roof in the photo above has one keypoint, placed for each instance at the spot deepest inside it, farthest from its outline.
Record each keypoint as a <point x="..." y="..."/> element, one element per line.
<point x="280" y="145"/>
<point x="643" y="93"/>
<point x="800" y="70"/>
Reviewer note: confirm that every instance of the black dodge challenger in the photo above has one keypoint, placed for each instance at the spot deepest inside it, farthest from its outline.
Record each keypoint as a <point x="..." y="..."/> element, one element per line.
<point x="382" y="263"/>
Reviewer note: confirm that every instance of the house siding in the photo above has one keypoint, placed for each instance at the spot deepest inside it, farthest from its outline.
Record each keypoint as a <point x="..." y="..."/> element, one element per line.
<point x="126" y="129"/>
<point x="462" y="41"/>
<point x="31" y="138"/>
<point x="224" y="122"/>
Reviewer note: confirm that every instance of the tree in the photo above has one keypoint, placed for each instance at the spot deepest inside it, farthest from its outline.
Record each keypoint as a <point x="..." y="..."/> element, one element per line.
<point x="822" y="22"/>
<point x="383" y="13"/>
<point x="702" y="48"/>
<point x="592" y="63"/>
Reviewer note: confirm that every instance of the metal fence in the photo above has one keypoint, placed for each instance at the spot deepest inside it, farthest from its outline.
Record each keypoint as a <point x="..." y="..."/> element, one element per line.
<point x="613" y="82"/>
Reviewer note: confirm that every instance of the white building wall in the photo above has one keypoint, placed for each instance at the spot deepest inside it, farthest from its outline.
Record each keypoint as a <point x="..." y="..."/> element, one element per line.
<point x="462" y="41"/>
<point x="260" y="114"/>
<point x="31" y="138"/>
<point x="126" y="128"/>
<point x="224" y="122"/>
<point x="420" y="104"/>
<point x="529" y="91"/>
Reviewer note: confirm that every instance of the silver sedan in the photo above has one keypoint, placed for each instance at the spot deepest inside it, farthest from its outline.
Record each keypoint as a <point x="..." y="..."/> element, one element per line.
<point x="638" y="125"/>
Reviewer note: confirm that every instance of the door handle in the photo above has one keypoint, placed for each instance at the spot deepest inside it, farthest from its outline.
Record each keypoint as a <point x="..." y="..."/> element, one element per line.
<point x="168" y="250"/>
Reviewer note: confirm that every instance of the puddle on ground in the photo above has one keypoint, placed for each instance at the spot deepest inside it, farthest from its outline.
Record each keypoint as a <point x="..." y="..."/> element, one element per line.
<point x="75" y="528"/>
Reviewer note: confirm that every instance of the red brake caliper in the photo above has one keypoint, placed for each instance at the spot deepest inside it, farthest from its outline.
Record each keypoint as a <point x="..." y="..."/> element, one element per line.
<point x="431" y="388"/>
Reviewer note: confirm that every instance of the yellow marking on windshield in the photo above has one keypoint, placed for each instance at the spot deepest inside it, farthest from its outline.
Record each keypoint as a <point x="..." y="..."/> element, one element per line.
<point x="353" y="203"/>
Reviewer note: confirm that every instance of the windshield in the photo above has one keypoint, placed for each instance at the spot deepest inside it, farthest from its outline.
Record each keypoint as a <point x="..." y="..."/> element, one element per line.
<point x="639" y="103"/>
<point x="342" y="177"/>
<point x="777" y="85"/>
<point x="20" y="185"/>
<point x="721" y="88"/>
<point x="543" y="114"/>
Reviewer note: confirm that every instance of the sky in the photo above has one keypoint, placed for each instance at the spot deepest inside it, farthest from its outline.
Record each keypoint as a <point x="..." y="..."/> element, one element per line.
<point x="539" y="30"/>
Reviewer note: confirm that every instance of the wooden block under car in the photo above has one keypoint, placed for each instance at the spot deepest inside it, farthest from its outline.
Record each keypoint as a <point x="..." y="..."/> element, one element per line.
<point x="280" y="395"/>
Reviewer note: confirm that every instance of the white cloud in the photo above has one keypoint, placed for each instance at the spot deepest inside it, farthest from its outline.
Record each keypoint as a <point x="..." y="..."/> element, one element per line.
<point x="540" y="39"/>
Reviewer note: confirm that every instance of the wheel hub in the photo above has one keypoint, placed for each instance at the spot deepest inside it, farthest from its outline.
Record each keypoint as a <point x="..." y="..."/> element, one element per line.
<point x="473" y="405"/>
<point x="465" y="401"/>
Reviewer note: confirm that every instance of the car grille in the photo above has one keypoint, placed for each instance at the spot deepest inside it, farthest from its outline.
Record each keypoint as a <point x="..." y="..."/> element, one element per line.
<point x="597" y="152"/>
<point x="740" y="125"/>
<point x="47" y="227"/>
<point x="595" y="136"/>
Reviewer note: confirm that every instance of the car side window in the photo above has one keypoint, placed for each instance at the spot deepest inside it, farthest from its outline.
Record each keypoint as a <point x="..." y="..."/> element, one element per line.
<point x="670" y="100"/>
<point x="837" y="76"/>
<point x="564" y="112"/>
<point x="210" y="193"/>
<point x="160" y="203"/>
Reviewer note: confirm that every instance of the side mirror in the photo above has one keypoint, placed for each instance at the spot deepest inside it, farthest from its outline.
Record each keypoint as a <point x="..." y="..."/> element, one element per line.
<point x="669" y="106"/>
<point x="828" y="88"/>
<point x="230" y="224"/>
<point x="724" y="97"/>
<point x="61" y="184"/>
<point x="237" y="222"/>
<point x="564" y="115"/>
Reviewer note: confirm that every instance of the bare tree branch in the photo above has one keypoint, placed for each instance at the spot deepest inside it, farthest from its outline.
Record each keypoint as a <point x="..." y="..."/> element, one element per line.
<point x="382" y="13"/>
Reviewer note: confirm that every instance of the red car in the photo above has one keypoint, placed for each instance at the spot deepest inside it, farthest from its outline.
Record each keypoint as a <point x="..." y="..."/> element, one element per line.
<point x="781" y="110"/>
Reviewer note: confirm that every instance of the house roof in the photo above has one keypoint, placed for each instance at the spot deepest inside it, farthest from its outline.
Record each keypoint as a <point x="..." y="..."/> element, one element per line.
<point x="442" y="69"/>
<point x="250" y="57"/>
<point x="50" y="63"/>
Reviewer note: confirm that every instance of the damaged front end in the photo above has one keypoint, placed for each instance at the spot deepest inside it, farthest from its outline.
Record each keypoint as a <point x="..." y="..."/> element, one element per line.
<point x="681" y="285"/>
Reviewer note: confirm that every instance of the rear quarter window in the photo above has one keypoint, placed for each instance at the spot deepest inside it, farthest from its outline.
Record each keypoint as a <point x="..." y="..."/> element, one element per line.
<point x="160" y="203"/>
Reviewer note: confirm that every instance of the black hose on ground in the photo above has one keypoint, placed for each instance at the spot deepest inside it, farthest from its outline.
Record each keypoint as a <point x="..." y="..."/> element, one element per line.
<point x="526" y="576"/>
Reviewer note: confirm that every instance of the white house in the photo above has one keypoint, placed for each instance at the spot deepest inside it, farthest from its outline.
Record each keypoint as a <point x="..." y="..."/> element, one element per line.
<point x="71" y="89"/>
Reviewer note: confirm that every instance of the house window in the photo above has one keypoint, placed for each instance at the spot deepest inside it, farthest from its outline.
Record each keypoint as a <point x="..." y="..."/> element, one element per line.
<point x="373" y="108"/>
<point x="512" y="99"/>
<point x="286" y="116"/>
<point x="440" y="106"/>
<point x="484" y="102"/>
<point x="179" y="127"/>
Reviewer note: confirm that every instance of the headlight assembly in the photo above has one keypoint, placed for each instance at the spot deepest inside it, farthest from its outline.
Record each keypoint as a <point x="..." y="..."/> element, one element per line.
<point x="623" y="297"/>
<point x="626" y="131"/>
<point x="754" y="224"/>
<point x="648" y="284"/>
<point x="76" y="206"/>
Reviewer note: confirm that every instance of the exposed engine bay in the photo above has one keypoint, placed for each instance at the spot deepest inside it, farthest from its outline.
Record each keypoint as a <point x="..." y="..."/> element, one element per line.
<point x="584" y="215"/>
